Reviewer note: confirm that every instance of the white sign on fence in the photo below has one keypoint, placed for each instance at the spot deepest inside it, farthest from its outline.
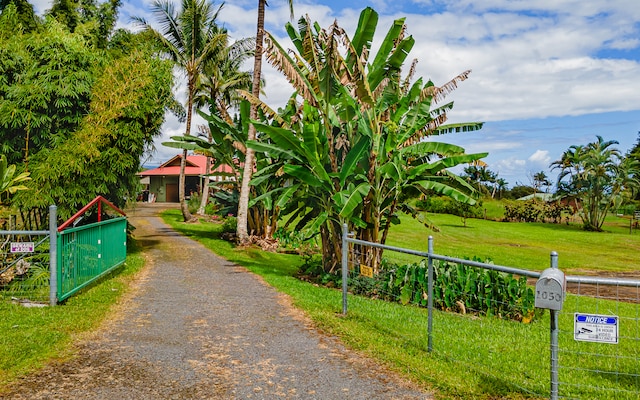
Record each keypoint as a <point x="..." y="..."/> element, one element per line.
<point x="595" y="328"/>
<point x="22" y="247"/>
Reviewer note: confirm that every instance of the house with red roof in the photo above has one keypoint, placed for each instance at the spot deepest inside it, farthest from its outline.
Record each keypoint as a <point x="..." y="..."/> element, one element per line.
<point x="163" y="181"/>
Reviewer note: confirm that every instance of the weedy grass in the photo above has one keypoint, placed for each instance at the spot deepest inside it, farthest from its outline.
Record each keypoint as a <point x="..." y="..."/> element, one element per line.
<point x="472" y="357"/>
<point x="31" y="337"/>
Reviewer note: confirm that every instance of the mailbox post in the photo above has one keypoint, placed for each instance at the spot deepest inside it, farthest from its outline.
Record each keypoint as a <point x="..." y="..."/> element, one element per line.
<point x="550" y="289"/>
<point x="550" y="292"/>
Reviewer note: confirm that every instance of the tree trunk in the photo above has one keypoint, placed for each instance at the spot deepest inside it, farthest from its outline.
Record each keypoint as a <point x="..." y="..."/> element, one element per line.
<point x="204" y="198"/>
<point x="186" y="215"/>
<point x="242" y="231"/>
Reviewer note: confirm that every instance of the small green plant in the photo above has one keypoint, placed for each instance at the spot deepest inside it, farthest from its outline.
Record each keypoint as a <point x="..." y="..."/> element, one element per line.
<point x="230" y="225"/>
<point x="194" y="202"/>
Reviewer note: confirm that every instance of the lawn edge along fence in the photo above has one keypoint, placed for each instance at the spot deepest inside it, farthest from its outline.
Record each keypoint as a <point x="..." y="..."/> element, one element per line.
<point x="550" y="294"/>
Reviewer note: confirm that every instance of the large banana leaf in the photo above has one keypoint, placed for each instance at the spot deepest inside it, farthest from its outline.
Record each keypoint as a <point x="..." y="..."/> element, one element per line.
<point x="348" y="200"/>
<point x="303" y="174"/>
<point x="271" y="149"/>
<point x="452" y="161"/>
<point x="446" y="190"/>
<point x="426" y="148"/>
<point x="457" y="128"/>
<point x="379" y="67"/>
<point x="352" y="159"/>
<point x="365" y="31"/>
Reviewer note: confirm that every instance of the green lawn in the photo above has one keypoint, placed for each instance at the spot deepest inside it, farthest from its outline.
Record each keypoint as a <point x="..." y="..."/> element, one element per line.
<point x="527" y="245"/>
<point x="467" y="362"/>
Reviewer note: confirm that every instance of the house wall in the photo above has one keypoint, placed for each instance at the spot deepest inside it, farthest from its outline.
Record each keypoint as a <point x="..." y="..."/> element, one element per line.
<point x="158" y="186"/>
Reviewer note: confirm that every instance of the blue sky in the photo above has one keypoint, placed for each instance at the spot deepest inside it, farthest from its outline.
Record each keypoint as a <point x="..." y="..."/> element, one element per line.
<point x="547" y="74"/>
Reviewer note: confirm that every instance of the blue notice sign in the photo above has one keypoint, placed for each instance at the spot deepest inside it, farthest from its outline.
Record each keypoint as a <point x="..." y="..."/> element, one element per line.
<point x="595" y="328"/>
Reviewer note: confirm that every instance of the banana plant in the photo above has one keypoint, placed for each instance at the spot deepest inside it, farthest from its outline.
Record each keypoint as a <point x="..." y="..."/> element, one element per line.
<point x="354" y="148"/>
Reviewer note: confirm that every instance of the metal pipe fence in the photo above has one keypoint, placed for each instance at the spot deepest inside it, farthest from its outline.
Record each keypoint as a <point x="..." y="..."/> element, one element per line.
<point x="544" y="353"/>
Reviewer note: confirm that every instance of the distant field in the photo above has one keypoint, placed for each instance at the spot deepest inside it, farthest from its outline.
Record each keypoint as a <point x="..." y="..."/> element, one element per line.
<point x="527" y="245"/>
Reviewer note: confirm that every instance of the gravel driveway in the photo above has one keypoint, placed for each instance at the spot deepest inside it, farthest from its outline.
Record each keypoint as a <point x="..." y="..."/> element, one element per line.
<point x="196" y="326"/>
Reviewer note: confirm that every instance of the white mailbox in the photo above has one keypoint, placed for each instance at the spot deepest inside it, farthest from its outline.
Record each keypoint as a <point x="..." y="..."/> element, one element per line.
<point x="550" y="289"/>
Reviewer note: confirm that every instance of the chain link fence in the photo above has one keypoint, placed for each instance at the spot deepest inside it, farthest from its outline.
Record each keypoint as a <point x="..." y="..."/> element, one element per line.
<point x="24" y="267"/>
<point x="599" y="339"/>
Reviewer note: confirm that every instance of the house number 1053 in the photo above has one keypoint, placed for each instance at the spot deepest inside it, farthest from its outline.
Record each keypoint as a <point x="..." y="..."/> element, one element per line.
<point x="551" y="296"/>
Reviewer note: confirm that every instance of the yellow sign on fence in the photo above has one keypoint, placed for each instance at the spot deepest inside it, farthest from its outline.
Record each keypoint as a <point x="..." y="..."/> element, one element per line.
<point x="366" y="271"/>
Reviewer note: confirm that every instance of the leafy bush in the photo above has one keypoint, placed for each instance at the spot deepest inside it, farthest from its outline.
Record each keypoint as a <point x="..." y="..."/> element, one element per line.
<point x="288" y="239"/>
<point x="628" y="209"/>
<point x="230" y="225"/>
<point x="227" y="202"/>
<point x="446" y="205"/>
<point x="457" y="287"/>
<point x="194" y="202"/>
<point x="535" y="211"/>
<point x="211" y="208"/>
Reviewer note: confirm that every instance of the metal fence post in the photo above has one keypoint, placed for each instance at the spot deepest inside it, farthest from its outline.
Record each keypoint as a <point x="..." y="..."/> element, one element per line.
<point x="53" y="255"/>
<point x="554" y="339"/>
<point x="430" y="296"/>
<point x="345" y="267"/>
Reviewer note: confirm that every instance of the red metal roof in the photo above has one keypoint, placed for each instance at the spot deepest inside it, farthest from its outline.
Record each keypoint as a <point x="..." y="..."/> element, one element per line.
<point x="196" y="165"/>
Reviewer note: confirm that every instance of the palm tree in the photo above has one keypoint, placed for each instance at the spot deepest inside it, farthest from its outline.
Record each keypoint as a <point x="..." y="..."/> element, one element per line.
<point x="243" y="206"/>
<point x="222" y="77"/>
<point x="540" y="179"/>
<point x="189" y="37"/>
<point x="500" y="186"/>
<point x="597" y="174"/>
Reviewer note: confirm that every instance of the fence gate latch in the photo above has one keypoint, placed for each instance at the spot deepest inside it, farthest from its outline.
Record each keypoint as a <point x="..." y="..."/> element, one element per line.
<point x="550" y="289"/>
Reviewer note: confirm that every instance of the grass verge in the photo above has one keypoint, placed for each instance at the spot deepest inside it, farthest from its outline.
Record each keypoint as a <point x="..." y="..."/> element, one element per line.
<point x="32" y="337"/>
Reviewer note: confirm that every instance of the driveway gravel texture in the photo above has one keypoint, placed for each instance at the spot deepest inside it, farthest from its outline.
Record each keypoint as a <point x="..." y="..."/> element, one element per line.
<point x="195" y="326"/>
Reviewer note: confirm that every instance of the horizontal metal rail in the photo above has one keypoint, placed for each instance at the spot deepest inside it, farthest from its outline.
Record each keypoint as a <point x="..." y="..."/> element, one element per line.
<point x="591" y="280"/>
<point x="501" y="268"/>
<point x="594" y="280"/>
<point x="24" y="233"/>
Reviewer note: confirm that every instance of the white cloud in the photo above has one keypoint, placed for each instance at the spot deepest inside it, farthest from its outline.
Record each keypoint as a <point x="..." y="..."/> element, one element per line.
<point x="540" y="157"/>
<point x="530" y="60"/>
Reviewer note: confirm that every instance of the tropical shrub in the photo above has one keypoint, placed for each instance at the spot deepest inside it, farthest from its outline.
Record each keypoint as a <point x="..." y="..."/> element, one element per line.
<point x="536" y="211"/>
<point x="230" y="225"/>
<point x="447" y="205"/>
<point x="457" y="288"/>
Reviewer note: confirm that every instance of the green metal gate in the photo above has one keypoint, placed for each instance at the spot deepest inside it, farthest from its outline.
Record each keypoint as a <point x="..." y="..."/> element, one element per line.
<point x="89" y="252"/>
